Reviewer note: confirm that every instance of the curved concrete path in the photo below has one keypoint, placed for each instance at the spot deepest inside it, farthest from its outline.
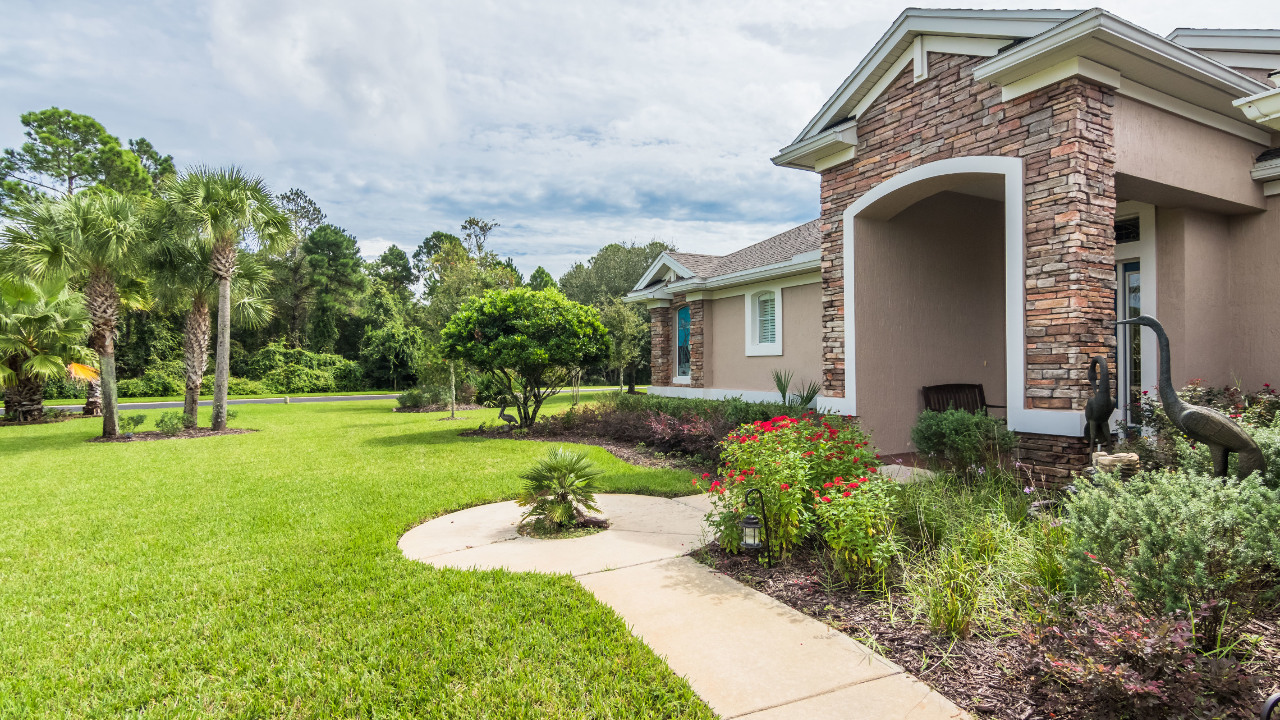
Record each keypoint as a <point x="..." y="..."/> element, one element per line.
<point x="746" y="654"/>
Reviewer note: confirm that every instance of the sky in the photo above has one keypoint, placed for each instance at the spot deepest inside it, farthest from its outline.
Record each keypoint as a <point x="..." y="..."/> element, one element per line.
<point x="572" y="124"/>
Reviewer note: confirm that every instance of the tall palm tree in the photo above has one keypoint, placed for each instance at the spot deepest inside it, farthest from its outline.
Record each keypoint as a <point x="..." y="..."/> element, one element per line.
<point x="227" y="208"/>
<point x="99" y="238"/>
<point x="42" y="331"/>
<point x="183" y="281"/>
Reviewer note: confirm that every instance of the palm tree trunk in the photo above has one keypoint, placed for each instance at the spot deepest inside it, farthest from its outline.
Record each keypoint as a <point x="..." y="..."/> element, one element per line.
<point x="93" y="398"/>
<point x="223" y="265"/>
<point x="195" y="356"/>
<point x="103" y="303"/>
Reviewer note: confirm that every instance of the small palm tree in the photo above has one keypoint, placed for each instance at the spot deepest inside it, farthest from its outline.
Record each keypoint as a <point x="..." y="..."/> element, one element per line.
<point x="42" y="331"/>
<point x="560" y="489"/>
<point x="99" y="239"/>
<point x="224" y="208"/>
<point x="183" y="281"/>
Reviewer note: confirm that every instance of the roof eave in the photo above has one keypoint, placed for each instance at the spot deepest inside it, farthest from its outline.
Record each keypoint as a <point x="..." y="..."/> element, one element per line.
<point x="805" y="155"/>
<point x="797" y="265"/>
<point x="1263" y="108"/>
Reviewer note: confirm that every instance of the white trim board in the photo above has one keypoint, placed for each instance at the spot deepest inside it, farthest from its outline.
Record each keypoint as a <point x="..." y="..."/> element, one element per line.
<point x="1020" y="418"/>
<point x="1144" y="251"/>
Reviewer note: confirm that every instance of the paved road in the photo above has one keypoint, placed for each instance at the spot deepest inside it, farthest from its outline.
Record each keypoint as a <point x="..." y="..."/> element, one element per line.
<point x="277" y="400"/>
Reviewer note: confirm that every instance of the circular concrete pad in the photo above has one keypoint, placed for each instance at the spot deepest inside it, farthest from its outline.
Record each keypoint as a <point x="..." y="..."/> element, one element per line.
<point x="641" y="529"/>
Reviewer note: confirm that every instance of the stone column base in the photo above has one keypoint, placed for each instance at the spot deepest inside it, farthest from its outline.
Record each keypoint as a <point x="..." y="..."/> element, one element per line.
<point x="1051" y="460"/>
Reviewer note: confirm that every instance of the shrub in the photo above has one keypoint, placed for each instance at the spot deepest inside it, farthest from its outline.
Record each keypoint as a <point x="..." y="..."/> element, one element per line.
<point x="349" y="377"/>
<point x="277" y="356"/>
<point x="160" y="384"/>
<point x="1163" y="445"/>
<point x="62" y="387"/>
<point x="560" y="489"/>
<point x="1114" y="659"/>
<point x="171" y="422"/>
<point x="857" y="518"/>
<point x="1195" y="457"/>
<point x="131" y="388"/>
<point x="491" y="393"/>
<point x="1180" y="539"/>
<point x="797" y="464"/>
<point x="294" y="379"/>
<point x="961" y="440"/>
<point x="424" y="396"/>
<point x="130" y="423"/>
<point x="243" y="386"/>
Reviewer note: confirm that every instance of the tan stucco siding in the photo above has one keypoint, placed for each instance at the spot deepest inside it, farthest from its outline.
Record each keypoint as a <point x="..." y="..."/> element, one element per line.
<point x="1160" y="147"/>
<point x="728" y="365"/>
<point x="929" y="300"/>
<point x="1193" y="269"/>
<point x="1255" y="284"/>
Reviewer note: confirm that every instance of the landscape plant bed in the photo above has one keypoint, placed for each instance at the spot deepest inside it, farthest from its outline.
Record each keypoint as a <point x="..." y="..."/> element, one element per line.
<point x="990" y="674"/>
<point x="460" y="407"/>
<point x="185" y="434"/>
<point x="539" y="532"/>
<point x="632" y="454"/>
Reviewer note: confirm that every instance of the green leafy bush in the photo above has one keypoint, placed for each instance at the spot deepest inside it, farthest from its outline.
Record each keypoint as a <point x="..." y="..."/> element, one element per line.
<point x="171" y="422"/>
<point x="293" y="379"/>
<point x="159" y="384"/>
<point x="797" y="464"/>
<point x="491" y="393"/>
<point x="130" y="423"/>
<point x="857" y="517"/>
<point x="131" y="388"/>
<point x="560" y="489"/>
<point x="424" y="396"/>
<point x="64" y="388"/>
<point x="349" y="377"/>
<point x="1179" y="539"/>
<point x="963" y="441"/>
<point x="278" y="356"/>
<point x="236" y="386"/>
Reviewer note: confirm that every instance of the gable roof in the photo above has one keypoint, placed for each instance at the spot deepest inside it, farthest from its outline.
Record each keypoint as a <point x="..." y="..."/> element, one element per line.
<point x="788" y="252"/>
<point x="1020" y="44"/>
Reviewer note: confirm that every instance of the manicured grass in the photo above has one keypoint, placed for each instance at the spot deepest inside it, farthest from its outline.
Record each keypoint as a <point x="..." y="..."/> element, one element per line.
<point x="209" y="396"/>
<point x="257" y="575"/>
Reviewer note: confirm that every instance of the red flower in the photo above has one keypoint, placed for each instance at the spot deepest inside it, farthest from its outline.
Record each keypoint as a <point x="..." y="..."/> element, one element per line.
<point x="826" y="499"/>
<point x="1091" y="556"/>
<point x="827" y="485"/>
<point x="695" y="482"/>
<point x="785" y="486"/>
<point x="807" y="454"/>
<point x="871" y="470"/>
<point x="846" y="493"/>
<point x="706" y="475"/>
<point x="839" y="478"/>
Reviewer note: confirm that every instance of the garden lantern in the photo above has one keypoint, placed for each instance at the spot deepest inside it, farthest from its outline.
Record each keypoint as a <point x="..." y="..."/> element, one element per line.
<point x="752" y="537"/>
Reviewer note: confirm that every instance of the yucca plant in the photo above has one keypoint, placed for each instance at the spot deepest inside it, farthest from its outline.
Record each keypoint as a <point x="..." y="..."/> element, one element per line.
<point x="560" y="489"/>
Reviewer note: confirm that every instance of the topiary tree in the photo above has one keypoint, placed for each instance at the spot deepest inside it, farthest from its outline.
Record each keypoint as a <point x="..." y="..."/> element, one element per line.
<point x="527" y="340"/>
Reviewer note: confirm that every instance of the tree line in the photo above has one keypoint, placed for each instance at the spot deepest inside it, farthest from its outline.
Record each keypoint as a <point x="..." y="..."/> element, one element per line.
<point x="163" y="264"/>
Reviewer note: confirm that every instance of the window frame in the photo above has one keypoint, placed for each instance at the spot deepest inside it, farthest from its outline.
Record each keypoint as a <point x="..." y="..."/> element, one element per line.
<point x="676" y="377"/>
<point x="755" y="348"/>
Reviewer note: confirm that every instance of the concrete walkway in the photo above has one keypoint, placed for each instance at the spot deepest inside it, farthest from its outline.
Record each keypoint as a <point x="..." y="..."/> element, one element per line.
<point x="744" y="653"/>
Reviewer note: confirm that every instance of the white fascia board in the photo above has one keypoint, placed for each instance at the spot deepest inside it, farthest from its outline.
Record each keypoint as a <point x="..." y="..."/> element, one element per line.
<point x="1263" y="108"/>
<point x="1266" y="171"/>
<point x="806" y="155"/>
<point x="803" y="263"/>
<point x="1265" y="41"/>
<point x="1255" y="60"/>
<point x="1071" y="67"/>
<point x="1007" y="24"/>
<point x="1049" y="47"/>
<point x="663" y="260"/>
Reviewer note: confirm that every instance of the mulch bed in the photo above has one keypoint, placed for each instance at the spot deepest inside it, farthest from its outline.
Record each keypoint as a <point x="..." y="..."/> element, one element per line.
<point x="46" y="420"/>
<point x="643" y="457"/>
<point x="439" y="408"/>
<point x="184" y="435"/>
<point x="990" y="676"/>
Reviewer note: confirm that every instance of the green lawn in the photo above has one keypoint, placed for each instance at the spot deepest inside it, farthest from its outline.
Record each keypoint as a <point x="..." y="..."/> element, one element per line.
<point x="258" y="576"/>
<point x="179" y="398"/>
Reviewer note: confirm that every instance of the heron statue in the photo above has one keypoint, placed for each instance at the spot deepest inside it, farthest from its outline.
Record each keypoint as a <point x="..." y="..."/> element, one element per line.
<point x="1202" y="424"/>
<point x="1097" y="412"/>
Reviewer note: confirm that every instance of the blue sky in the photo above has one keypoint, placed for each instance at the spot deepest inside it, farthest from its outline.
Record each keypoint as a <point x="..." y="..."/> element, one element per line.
<point x="573" y="124"/>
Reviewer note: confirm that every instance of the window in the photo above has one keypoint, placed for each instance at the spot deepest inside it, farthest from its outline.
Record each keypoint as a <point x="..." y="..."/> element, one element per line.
<point x="766" y="327"/>
<point x="764" y="321"/>
<point x="682" y="342"/>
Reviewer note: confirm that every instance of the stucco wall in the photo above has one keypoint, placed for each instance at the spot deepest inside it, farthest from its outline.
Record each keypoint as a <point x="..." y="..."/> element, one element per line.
<point x="1194" y="269"/>
<point x="930" y="309"/>
<point x="729" y="367"/>
<point x="1160" y="147"/>
<point x="1255" y="296"/>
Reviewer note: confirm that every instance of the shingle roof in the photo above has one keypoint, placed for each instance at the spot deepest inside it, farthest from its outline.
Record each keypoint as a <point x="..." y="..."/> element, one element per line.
<point x="779" y="248"/>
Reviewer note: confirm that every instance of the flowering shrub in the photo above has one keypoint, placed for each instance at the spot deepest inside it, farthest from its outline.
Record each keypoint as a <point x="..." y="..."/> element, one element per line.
<point x="795" y="462"/>
<point x="857" y="518"/>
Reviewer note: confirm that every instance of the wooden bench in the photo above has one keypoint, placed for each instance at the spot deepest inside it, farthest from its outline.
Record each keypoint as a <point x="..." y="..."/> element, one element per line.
<point x="961" y="396"/>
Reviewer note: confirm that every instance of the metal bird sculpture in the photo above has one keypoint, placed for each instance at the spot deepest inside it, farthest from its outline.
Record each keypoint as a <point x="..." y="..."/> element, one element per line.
<point x="1202" y="424"/>
<point x="1097" y="412"/>
<point x="502" y="415"/>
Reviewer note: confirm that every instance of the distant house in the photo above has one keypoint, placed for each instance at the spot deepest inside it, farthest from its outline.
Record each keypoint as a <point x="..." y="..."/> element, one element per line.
<point x="996" y="186"/>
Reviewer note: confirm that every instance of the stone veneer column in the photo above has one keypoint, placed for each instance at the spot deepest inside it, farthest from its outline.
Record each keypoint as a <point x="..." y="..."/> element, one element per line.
<point x="697" y="366"/>
<point x="660" y="345"/>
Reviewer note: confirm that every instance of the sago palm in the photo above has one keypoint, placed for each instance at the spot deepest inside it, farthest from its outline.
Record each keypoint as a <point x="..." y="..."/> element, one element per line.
<point x="183" y="281"/>
<point x="560" y="489"/>
<point x="42" y="331"/>
<point x="225" y="209"/>
<point x="97" y="238"/>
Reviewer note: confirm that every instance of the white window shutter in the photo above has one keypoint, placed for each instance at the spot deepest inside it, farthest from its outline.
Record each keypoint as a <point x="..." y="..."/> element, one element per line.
<point x="767" y="320"/>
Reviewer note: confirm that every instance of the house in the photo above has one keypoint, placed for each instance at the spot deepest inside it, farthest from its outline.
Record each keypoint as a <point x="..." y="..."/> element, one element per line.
<point x="997" y="186"/>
